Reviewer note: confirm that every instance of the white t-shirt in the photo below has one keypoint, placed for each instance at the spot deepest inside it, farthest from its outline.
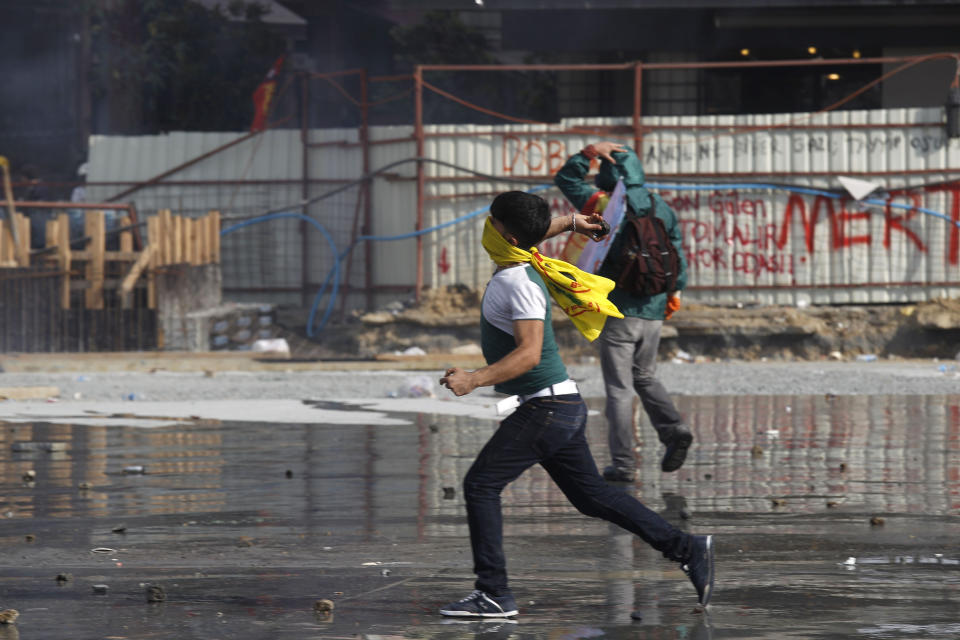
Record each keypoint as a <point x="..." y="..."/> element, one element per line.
<point x="511" y="295"/>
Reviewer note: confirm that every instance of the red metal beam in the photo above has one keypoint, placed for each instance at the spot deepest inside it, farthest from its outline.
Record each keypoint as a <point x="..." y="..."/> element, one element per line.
<point x="811" y="62"/>
<point x="418" y="134"/>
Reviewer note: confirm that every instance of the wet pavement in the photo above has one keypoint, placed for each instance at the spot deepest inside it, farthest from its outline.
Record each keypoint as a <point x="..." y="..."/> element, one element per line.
<point x="835" y="517"/>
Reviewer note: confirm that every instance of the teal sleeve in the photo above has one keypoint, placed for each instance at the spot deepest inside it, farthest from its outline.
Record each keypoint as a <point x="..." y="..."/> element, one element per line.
<point x="571" y="180"/>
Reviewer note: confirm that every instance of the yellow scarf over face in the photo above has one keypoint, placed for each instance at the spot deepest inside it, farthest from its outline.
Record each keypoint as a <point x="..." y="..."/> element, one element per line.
<point x="581" y="295"/>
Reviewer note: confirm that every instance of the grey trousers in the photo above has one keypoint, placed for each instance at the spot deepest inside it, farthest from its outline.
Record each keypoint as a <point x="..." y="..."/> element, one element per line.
<point x="628" y="358"/>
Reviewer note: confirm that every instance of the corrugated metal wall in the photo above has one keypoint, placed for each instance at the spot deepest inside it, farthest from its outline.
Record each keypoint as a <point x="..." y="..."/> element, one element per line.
<point x="745" y="244"/>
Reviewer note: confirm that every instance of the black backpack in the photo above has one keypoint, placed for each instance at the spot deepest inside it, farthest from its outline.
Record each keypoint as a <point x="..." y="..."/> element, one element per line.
<point x="649" y="263"/>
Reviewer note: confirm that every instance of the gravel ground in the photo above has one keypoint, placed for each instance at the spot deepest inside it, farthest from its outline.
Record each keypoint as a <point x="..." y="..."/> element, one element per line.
<point x="922" y="377"/>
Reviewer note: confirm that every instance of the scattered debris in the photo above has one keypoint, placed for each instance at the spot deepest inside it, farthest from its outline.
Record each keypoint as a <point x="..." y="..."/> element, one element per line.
<point x="416" y="387"/>
<point x="412" y="351"/>
<point x="836" y="355"/>
<point x="323" y="606"/>
<point x="9" y="616"/>
<point x="134" y="469"/>
<point x="100" y="589"/>
<point x="877" y="521"/>
<point x="103" y="550"/>
<point x="277" y="346"/>
<point x="156" y="593"/>
<point x="449" y="493"/>
<point x="866" y="357"/>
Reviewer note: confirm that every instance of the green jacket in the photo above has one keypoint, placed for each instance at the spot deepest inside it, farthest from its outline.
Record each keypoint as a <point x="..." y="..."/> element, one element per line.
<point x="571" y="181"/>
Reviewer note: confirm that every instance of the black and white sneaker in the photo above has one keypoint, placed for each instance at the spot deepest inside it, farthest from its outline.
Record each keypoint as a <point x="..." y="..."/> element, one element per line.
<point x="481" y="605"/>
<point x="699" y="568"/>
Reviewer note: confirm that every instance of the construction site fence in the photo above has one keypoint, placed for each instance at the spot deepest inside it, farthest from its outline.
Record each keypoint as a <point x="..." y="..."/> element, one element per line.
<point x="763" y="217"/>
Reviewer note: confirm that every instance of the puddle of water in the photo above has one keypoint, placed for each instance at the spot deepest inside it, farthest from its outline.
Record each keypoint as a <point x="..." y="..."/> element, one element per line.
<point x="247" y="524"/>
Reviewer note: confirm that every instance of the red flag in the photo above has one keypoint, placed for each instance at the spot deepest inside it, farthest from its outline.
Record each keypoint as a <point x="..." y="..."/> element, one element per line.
<point x="263" y="96"/>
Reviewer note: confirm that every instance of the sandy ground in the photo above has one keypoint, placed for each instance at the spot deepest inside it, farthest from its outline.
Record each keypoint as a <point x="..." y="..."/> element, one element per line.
<point x="291" y="396"/>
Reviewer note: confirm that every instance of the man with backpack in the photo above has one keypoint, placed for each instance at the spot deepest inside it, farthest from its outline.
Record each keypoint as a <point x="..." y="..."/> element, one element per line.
<point x="647" y="292"/>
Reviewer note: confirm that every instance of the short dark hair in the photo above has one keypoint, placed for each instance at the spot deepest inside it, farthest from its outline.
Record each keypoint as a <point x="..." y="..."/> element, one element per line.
<point x="525" y="215"/>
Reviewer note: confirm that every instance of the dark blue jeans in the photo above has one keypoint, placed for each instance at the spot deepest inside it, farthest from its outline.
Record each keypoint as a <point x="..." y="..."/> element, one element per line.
<point x="550" y="430"/>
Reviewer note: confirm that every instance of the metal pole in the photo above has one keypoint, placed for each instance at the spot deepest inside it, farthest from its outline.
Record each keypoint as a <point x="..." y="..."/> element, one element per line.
<point x="305" y="188"/>
<point x="418" y="133"/>
<point x="637" y="108"/>
<point x="366" y="191"/>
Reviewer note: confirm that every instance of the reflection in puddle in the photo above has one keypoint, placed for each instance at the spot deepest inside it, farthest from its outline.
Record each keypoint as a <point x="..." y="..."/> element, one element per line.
<point x="792" y="486"/>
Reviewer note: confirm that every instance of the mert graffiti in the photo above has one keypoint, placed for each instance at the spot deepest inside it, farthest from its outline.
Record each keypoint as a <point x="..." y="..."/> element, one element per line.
<point x="728" y="230"/>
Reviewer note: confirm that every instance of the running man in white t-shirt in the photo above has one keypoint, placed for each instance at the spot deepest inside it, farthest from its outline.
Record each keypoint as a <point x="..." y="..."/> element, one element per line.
<point x="548" y="426"/>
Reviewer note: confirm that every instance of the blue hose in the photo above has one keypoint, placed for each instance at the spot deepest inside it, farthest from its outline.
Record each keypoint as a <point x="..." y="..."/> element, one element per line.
<point x="334" y="273"/>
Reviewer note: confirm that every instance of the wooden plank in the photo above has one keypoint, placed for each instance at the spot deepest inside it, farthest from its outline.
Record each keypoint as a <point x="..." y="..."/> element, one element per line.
<point x="195" y="243"/>
<point x="52" y="239"/>
<point x="131" y="278"/>
<point x="203" y="244"/>
<point x="187" y="241"/>
<point x="177" y="256"/>
<point x="51" y="235"/>
<point x="126" y="237"/>
<point x="164" y="237"/>
<point x="215" y="236"/>
<point x="64" y="257"/>
<point x="95" y="228"/>
<point x="28" y="393"/>
<point x="23" y="235"/>
<point x="7" y="251"/>
<point x="153" y="235"/>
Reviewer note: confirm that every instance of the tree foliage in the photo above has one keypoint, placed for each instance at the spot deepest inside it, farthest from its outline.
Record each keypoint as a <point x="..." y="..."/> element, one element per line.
<point x="442" y="38"/>
<point x="178" y="65"/>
